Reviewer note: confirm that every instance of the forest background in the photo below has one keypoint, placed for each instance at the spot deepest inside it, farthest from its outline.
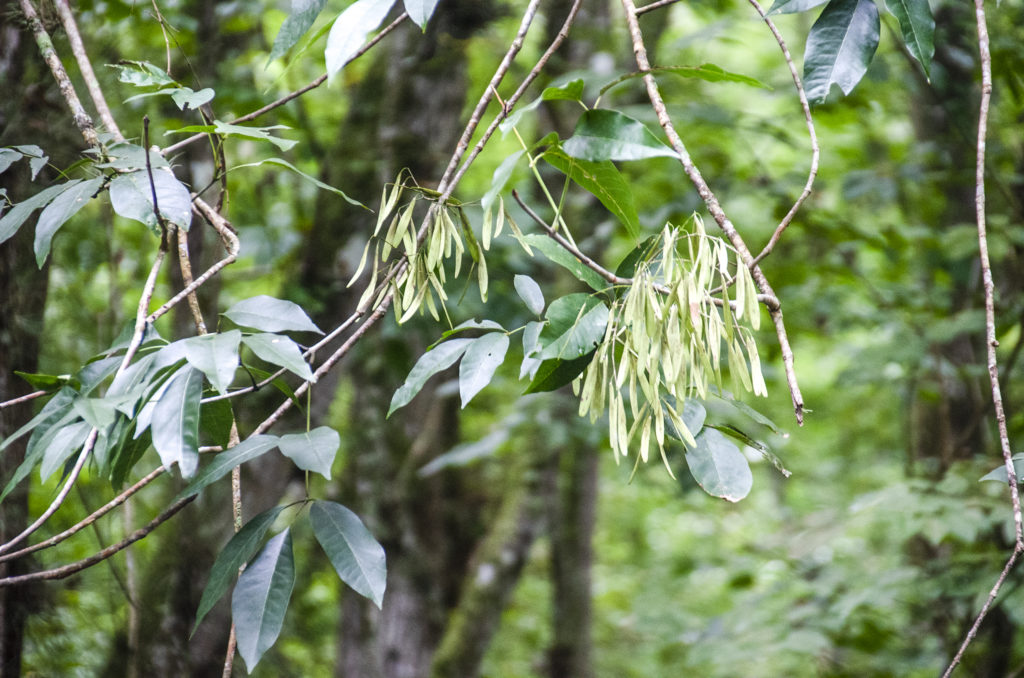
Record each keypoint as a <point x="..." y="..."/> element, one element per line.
<point x="515" y="544"/>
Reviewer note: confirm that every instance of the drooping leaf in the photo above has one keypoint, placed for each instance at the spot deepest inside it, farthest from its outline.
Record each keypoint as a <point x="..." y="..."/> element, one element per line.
<point x="558" y="254"/>
<point x="430" y="363"/>
<point x="602" y="180"/>
<point x="8" y="156"/>
<point x="300" y="19"/>
<point x="556" y="373"/>
<point x="313" y="180"/>
<point x="719" y="466"/>
<point x="792" y="6"/>
<point x="998" y="474"/>
<point x="54" y="414"/>
<point x="529" y="291"/>
<point x="175" y="422"/>
<point x="261" y="596"/>
<point x="278" y="349"/>
<point x="917" y="27"/>
<point x="132" y="197"/>
<point x="840" y="46"/>
<point x="268" y="314"/>
<point x="63" y="207"/>
<point x="531" y="343"/>
<point x="355" y="554"/>
<point x="65" y="442"/>
<point x="420" y="11"/>
<point x="350" y="30"/>
<point x="226" y="129"/>
<point x="603" y="134"/>
<point x="312" y="450"/>
<point x="576" y="324"/>
<point x="216" y="356"/>
<point x="482" y="358"/>
<point x="247" y="450"/>
<point x="124" y="457"/>
<point x="17" y="215"/>
<point x="235" y="553"/>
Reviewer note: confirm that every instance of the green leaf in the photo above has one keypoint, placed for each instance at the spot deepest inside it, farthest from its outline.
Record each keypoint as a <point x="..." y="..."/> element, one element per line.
<point x="47" y="382"/>
<point x="529" y="291"/>
<point x="313" y="450"/>
<point x="840" y="46"/>
<point x="176" y="421"/>
<point x="705" y="72"/>
<point x="556" y="373"/>
<point x="300" y="19"/>
<point x="351" y="29"/>
<point x="918" y="28"/>
<point x="531" y="343"/>
<point x="186" y="97"/>
<point x="215" y="419"/>
<point x="570" y="91"/>
<point x="142" y="74"/>
<point x="228" y="130"/>
<point x="235" y="553"/>
<point x="216" y="356"/>
<point x="693" y="415"/>
<point x="8" y="156"/>
<point x="500" y="178"/>
<point x="17" y="215"/>
<point x="792" y="6"/>
<point x="132" y="197"/>
<point x="261" y="597"/>
<point x="98" y="412"/>
<point x="63" y="207"/>
<point x="558" y="254"/>
<point x="465" y="453"/>
<point x="313" y="180"/>
<point x="998" y="474"/>
<point x="602" y="134"/>
<point x="576" y="325"/>
<point x="430" y="363"/>
<point x="247" y="450"/>
<point x="55" y="413"/>
<point x="126" y="156"/>
<point x="482" y="358"/>
<point x="65" y="443"/>
<point x="126" y="456"/>
<point x="278" y="349"/>
<point x="473" y="324"/>
<point x="602" y="180"/>
<point x="420" y="11"/>
<point x="719" y="466"/>
<point x="352" y="550"/>
<point x="268" y="314"/>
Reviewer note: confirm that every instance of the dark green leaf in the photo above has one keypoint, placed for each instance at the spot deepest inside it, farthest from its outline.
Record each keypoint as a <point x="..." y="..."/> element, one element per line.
<point x="261" y="597"/>
<point x="63" y="207"/>
<point x="693" y="415"/>
<point x="430" y="363"/>
<point x="420" y="11"/>
<point x="268" y="314"/>
<point x="280" y="384"/>
<point x="529" y="291"/>
<point x="216" y="356"/>
<point x="918" y="28"/>
<point x="355" y="554"/>
<point x="719" y="467"/>
<point x="602" y="180"/>
<point x="223" y="462"/>
<point x="576" y="325"/>
<point x="46" y="382"/>
<point x="126" y="455"/>
<point x="132" y="197"/>
<point x="215" y="419"/>
<point x="556" y="373"/>
<point x="351" y="29"/>
<point x="278" y="349"/>
<point x="478" y="365"/>
<point x="556" y="253"/>
<point x="17" y="215"/>
<point x="313" y="450"/>
<point x="235" y="553"/>
<point x="840" y="46"/>
<point x="176" y="421"/>
<point x="300" y="19"/>
<point x="602" y="134"/>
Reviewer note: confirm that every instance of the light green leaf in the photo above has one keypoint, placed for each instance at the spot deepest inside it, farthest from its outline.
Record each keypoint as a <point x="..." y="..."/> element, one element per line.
<point x="228" y="130"/>
<point x="355" y="554"/>
<point x="175" y="422"/>
<point x="185" y="97"/>
<point x="998" y="474"/>
<point x="719" y="467"/>
<point x="300" y="19"/>
<point x="482" y="358"/>
<point x="918" y="28"/>
<point x="63" y="207"/>
<point x="792" y="6"/>
<point x="840" y="46"/>
<point x="132" y="197"/>
<point x="558" y="254"/>
<point x="316" y="182"/>
<point x="531" y="343"/>
<point x="420" y="11"/>
<point x="603" y="134"/>
<point x="53" y="414"/>
<point x="235" y="553"/>
<point x="280" y="350"/>
<point x="576" y="325"/>
<point x="602" y="180"/>
<point x="8" y="156"/>
<point x="261" y="596"/>
<point x="570" y="91"/>
<point x="500" y="179"/>
<point x="216" y="355"/>
<point x="17" y="215"/>
<point x="65" y="443"/>
<point x="270" y="315"/>
<point x="351" y="29"/>
<point x="126" y="156"/>
<point x="37" y="159"/>
<point x="473" y="324"/>
<point x="430" y="363"/>
<point x="529" y="291"/>
<point x="247" y="450"/>
<point x="313" y="450"/>
<point x="142" y="74"/>
<point x="97" y="412"/>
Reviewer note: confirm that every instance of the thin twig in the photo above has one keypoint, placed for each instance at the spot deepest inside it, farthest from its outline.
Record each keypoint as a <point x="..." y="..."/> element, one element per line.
<point x="815" y="150"/>
<point x="711" y="201"/>
<point x="73" y="568"/>
<point x="185" y="266"/>
<point x="22" y="399"/>
<point x="990" y="325"/>
<point x="297" y="93"/>
<point x="654" y="5"/>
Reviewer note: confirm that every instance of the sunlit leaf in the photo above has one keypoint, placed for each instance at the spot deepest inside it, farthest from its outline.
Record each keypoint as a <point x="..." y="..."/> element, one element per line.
<point x="312" y="450"/>
<point x="840" y="46"/>
<point x="420" y="11"/>
<point x="482" y="358"/>
<point x="603" y="134"/>
<point x="268" y="314"/>
<point x="261" y="596"/>
<point x="355" y="554"/>
<point x="719" y="466"/>
<point x="350" y="30"/>
<point x="430" y="363"/>
<point x="529" y="291"/>
<point x="792" y="6"/>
